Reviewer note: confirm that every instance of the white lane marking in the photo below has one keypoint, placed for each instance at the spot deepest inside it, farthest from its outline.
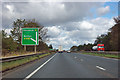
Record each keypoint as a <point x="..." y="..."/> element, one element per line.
<point x="115" y="59"/>
<point x="75" y="57"/>
<point x="100" y="68"/>
<point x="81" y="59"/>
<point x="39" y="68"/>
<point x="108" y="58"/>
<point x="101" y="57"/>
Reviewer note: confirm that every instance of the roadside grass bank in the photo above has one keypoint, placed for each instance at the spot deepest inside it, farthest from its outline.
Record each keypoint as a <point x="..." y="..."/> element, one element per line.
<point x="104" y="55"/>
<point x="13" y="64"/>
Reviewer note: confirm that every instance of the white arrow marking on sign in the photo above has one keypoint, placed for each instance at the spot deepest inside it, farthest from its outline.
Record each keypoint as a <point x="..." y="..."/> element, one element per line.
<point x="33" y="39"/>
<point x="36" y="38"/>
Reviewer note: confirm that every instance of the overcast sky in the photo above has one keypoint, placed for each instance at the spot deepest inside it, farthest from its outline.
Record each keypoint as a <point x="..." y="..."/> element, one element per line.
<point x="68" y="23"/>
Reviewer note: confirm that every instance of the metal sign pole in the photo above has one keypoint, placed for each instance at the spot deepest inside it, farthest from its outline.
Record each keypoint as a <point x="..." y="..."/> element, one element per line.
<point x="35" y="48"/>
<point x="24" y="47"/>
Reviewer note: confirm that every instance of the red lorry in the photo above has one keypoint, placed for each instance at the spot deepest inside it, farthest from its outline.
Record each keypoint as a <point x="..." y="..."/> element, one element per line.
<point x="100" y="47"/>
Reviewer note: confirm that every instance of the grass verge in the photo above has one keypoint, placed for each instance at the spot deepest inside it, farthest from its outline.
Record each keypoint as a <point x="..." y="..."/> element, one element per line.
<point x="12" y="64"/>
<point x="104" y="55"/>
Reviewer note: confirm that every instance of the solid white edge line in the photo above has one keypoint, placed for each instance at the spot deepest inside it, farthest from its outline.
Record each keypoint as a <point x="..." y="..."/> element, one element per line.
<point x="102" y="57"/>
<point x="100" y="68"/>
<point x="39" y="68"/>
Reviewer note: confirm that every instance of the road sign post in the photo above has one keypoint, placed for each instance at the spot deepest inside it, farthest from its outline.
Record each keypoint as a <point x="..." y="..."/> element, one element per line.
<point x="35" y="48"/>
<point x="30" y="37"/>
<point x="24" y="47"/>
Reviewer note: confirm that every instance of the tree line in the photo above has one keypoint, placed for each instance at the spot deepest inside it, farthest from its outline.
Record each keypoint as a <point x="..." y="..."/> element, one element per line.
<point x="110" y="40"/>
<point x="12" y="42"/>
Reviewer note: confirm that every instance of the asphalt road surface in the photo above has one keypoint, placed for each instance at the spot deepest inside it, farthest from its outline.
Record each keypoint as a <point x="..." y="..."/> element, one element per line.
<point x="68" y="65"/>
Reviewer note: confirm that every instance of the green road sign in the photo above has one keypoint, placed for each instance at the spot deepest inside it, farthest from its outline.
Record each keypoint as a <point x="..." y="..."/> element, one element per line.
<point x="30" y="36"/>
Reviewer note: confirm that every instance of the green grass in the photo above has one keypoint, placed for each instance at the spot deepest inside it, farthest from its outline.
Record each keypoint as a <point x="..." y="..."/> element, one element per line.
<point x="103" y="55"/>
<point x="12" y="64"/>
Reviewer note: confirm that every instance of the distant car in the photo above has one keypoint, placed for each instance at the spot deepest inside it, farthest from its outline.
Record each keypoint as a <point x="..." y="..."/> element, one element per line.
<point x="68" y="51"/>
<point x="60" y="51"/>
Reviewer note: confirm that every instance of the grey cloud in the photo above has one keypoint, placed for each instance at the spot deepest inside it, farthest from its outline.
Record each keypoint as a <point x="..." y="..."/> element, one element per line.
<point x="48" y="13"/>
